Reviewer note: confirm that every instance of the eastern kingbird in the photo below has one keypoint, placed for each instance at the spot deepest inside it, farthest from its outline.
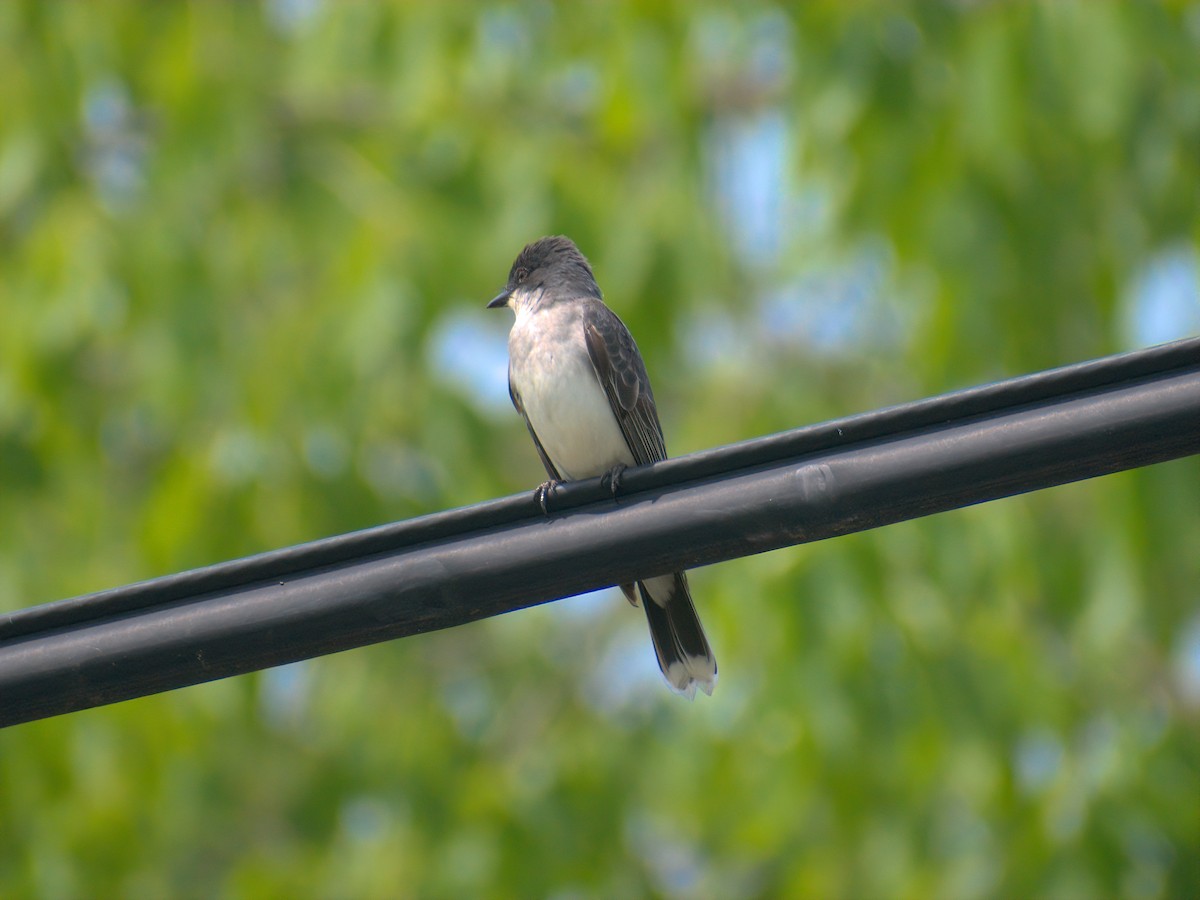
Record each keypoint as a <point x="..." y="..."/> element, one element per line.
<point x="578" y="381"/>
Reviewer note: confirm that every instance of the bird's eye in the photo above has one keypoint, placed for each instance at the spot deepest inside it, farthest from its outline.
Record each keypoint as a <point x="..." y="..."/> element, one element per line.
<point x="520" y="275"/>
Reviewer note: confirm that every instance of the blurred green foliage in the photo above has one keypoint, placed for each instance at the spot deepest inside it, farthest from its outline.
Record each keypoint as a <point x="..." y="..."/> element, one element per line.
<point x="244" y="252"/>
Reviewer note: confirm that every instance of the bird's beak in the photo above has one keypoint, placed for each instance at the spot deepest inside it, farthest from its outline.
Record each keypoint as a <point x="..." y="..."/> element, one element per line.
<point x="501" y="299"/>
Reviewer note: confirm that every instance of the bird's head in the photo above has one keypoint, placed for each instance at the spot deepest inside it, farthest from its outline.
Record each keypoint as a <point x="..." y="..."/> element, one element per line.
<point x="549" y="270"/>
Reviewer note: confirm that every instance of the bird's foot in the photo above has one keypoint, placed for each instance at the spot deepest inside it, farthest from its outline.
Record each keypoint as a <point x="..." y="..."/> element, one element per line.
<point x="612" y="478"/>
<point x="544" y="492"/>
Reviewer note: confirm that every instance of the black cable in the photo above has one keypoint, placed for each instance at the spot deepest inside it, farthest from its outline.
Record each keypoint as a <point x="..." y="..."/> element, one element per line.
<point x="458" y="566"/>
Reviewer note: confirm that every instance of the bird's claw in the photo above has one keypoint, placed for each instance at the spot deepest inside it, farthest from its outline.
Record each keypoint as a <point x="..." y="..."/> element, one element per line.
<point x="612" y="478"/>
<point x="544" y="492"/>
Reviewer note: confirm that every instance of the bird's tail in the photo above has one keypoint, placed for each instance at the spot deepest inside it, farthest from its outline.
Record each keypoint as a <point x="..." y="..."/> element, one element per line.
<point x="683" y="652"/>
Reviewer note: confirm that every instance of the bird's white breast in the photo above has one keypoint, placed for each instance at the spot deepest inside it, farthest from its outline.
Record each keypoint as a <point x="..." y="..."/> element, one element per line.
<point x="562" y="397"/>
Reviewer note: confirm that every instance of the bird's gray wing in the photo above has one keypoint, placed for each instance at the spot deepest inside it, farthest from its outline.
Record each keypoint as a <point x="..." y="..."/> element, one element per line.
<point x="623" y="376"/>
<point x="516" y="401"/>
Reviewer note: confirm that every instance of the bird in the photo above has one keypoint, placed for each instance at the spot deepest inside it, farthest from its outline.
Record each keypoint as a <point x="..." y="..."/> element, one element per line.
<point x="577" y="379"/>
